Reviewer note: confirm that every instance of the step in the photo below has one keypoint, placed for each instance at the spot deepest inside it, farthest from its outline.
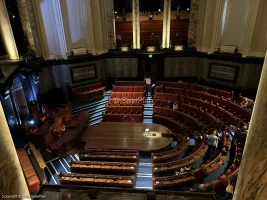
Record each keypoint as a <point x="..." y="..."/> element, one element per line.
<point x="143" y="182"/>
<point x="144" y="169"/>
<point x="89" y="107"/>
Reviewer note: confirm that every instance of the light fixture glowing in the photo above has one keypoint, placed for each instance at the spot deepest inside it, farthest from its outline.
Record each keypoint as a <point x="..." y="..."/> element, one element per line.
<point x="118" y="17"/>
<point x="115" y="12"/>
<point x="151" y="16"/>
<point x="159" y="10"/>
<point x="178" y="47"/>
<point x="188" y="8"/>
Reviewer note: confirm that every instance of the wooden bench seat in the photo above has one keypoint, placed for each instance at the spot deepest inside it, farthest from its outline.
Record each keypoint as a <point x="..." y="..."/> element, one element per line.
<point x="105" y="155"/>
<point x="173" y="181"/>
<point x="97" y="180"/>
<point x="103" y="167"/>
<point x="88" y="93"/>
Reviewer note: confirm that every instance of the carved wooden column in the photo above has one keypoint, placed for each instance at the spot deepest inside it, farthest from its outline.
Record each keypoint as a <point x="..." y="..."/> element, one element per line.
<point x="136" y="24"/>
<point x="11" y="175"/>
<point x="252" y="177"/>
<point x="7" y="33"/>
<point x="29" y="25"/>
<point x="110" y="23"/>
<point x="166" y="24"/>
<point x="193" y="24"/>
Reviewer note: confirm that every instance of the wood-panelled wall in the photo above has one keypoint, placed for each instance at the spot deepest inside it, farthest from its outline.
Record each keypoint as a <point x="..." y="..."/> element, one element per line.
<point x="58" y="76"/>
<point x="155" y="27"/>
<point x="248" y="73"/>
<point x="179" y="31"/>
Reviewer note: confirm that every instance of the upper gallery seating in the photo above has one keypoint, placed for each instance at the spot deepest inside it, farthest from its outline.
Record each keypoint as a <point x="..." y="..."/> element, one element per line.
<point x="88" y="92"/>
<point x="130" y="83"/>
<point x="108" y="155"/>
<point x="175" y="152"/>
<point x="124" y="109"/>
<point x="128" y="88"/>
<point x="32" y="180"/>
<point x="103" y="167"/>
<point x="123" y="118"/>
<point x="69" y="139"/>
<point x="96" y="179"/>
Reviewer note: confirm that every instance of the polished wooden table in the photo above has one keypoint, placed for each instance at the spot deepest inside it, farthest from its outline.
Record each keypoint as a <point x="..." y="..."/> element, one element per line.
<point x="122" y="135"/>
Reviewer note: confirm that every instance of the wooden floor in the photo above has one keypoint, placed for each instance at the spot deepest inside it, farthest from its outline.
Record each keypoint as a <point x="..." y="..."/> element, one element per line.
<point x="121" y="135"/>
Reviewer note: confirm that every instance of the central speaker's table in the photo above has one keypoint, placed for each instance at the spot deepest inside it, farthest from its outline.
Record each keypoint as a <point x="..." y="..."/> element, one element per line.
<point x="122" y="135"/>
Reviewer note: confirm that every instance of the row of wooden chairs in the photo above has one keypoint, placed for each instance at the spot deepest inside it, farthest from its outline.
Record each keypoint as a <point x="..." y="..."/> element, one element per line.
<point x="97" y="180"/>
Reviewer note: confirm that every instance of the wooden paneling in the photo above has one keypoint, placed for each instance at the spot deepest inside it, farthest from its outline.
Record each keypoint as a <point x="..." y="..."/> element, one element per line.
<point x="125" y="30"/>
<point x="179" y="26"/>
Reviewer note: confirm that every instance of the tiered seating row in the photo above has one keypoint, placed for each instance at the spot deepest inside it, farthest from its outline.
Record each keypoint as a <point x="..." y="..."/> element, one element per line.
<point x="171" y="154"/>
<point x="127" y="95"/>
<point x="173" y="181"/>
<point x="88" y="92"/>
<point x="216" y="163"/>
<point x="123" y="118"/>
<point x="195" y="87"/>
<point x="99" y="180"/>
<point x="237" y="110"/>
<point x="219" y="185"/>
<point x="125" y="102"/>
<point x="103" y="167"/>
<point x="32" y="180"/>
<point x="187" y="120"/>
<point x="173" y="125"/>
<point x="124" y="109"/>
<point x="128" y="89"/>
<point x="107" y="155"/>
<point x="200" y="150"/>
<point x="130" y="83"/>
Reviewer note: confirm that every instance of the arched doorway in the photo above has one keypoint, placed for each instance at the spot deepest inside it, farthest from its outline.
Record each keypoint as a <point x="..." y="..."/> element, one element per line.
<point x="22" y="95"/>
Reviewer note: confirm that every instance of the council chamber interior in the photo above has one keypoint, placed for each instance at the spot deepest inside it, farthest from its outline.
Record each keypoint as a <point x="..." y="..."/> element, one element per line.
<point x="133" y="99"/>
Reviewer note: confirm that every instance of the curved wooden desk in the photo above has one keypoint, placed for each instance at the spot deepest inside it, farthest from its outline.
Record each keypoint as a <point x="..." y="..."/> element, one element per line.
<point x="122" y="135"/>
